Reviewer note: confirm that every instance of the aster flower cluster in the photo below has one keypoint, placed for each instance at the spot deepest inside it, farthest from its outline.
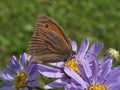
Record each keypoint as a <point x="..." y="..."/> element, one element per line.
<point x="84" y="71"/>
<point x="19" y="74"/>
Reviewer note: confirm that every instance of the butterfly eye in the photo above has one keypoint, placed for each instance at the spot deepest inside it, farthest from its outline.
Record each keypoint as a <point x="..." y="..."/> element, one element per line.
<point x="46" y="25"/>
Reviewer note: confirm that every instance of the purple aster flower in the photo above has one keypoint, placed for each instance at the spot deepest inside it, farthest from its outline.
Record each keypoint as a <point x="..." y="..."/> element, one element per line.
<point x="57" y="69"/>
<point x="19" y="74"/>
<point x="92" y="78"/>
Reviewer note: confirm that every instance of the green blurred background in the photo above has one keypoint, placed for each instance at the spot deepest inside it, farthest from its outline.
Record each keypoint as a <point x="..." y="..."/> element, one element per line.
<point x="97" y="20"/>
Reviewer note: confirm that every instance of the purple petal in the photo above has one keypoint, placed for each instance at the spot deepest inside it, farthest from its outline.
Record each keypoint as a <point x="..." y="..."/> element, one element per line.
<point x="74" y="46"/>
<point x="94" y="51"/>
<point x="68" y="87"/>
<point x="87" y="68"/>
<point x="33" y="77"/>
<point x="32" y="70"/>
<point x="7" y="83"/>
<point x="94" y="71"/>
<point x="58" y="64"/>
<point x="83" y="49"/>
<point x="4" y="76"/>
<point x="113" y="77"/>
<point x="23" y="60"/>
<point x="114" y="86"/>
<point x="114" y="70"/>
<point x="9" y="76"/>
<point x="75" y="76"/>
<point x="106" y="69"/>
<point x="11" y="70"/>
<point x="71" y="86"/>
<point x="33" y="84"/>
<point x="26" y="88"/>
<point x="83" y="73"/>
<point x="6" y="88"/>
<point x="59" y="83"/>
<point x="30" y="61"/>
<point x="104" y="59"/>
<point x="14" y="63"/>
<point x="50" y="71"/>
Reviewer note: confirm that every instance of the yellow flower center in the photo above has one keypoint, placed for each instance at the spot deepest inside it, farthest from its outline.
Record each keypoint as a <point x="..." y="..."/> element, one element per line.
<point x="20" y="81"/>
<point x="97" y="87"/>
<point x="73" y="65"/>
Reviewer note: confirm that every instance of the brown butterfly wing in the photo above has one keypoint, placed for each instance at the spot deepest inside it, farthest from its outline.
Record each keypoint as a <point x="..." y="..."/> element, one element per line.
<point x="49" y="43"/>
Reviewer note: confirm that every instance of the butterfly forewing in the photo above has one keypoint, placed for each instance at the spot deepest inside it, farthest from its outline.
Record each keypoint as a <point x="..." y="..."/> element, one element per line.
<point x="49" y="43"/>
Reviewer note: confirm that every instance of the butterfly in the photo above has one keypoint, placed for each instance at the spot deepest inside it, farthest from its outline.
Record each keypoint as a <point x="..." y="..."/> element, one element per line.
<point x="49" y="43"/>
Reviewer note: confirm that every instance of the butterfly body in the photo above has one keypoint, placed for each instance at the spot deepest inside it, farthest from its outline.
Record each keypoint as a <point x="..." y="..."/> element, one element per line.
<point x="49" y="43"/>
